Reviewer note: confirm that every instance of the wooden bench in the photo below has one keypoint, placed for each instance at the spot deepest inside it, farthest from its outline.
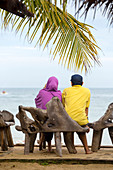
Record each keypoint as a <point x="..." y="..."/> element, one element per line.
<point x="26" y="126"/>
<point x="55" y="119"/>
<point x="6" y="120"/>
<point x="106" y="121"/>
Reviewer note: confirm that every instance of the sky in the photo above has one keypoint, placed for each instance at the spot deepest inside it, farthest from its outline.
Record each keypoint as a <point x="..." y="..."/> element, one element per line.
<point x="22" y="65"/>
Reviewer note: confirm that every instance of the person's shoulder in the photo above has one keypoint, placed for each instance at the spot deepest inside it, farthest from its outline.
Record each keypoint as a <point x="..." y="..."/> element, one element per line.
<point x="41" y="91"/>
<point x="67" y="89"/>
<point x="86" y="89"/>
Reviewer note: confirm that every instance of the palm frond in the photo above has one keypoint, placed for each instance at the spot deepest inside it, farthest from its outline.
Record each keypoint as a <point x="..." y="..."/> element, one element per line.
<point x="70" y="40"/>
<point x="105" y="5"/>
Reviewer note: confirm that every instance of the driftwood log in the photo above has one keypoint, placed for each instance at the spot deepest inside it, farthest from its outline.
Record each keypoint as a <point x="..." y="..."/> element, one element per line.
<point x="16" y="7"/>
<point x="54" y="119"/>
<point x="106" y="121"/>
<point x="6" y="120"/>
<point x="28" y="129"/>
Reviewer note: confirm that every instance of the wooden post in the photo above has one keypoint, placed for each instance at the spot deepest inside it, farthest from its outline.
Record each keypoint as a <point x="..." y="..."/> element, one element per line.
<point x="40" y="146"/>
<point x="100" y="139"/>
<point x="68" y="139"/>
<point x="32" y="141"/>
<point x="9" y="136"/>
<point x="96" y="141"/>
<point x="27" y="144"/>
<point x="4" y="146"/>
<point x="110" y="129"/>
<point x="58" y="143"/>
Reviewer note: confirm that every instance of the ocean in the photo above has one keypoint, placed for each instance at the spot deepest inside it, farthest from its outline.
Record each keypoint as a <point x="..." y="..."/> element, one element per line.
<point x="100" y="99"/>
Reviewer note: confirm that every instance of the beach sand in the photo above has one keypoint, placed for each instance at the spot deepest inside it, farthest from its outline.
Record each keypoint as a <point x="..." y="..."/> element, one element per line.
<point x="36" y="166"/>
<point x="14" y="159"/>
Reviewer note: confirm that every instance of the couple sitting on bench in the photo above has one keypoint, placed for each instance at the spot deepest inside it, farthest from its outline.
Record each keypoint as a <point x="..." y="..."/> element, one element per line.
<point x="75" y="99"/>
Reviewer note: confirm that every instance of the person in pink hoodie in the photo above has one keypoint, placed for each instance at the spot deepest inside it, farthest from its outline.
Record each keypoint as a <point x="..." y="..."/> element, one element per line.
<point x="43" y="97"/>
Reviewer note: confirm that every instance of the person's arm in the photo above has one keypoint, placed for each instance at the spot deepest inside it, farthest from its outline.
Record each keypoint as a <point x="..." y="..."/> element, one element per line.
<point x="87" y="104"/>
<point x="63" y="98"/>
<point x="38" y="100"/>
<point x="86" y="110"/>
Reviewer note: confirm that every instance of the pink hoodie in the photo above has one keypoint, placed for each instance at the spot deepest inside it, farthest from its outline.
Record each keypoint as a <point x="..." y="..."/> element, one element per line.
<point x="46" y="94"/>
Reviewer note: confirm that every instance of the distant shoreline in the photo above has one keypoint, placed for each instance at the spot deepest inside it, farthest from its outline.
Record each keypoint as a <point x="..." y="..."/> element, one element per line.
<point x="59" y="88"/>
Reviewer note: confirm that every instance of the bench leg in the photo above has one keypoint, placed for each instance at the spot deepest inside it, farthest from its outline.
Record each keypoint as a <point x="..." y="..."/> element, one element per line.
<point x="96" y="141"/>
<point x="68" y="139"/>
<point x="32" y="141"/>
<point x="27" y="144"/>
<point x="9" y="136"/>
<point x="4" y="146"/>
<point x="58" y="143"/>
<point x="110" y="129"/>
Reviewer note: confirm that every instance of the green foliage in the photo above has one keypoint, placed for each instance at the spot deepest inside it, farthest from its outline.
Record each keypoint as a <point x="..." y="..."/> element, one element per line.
<point x="44" y="163"/>
<point x="70" y="39"/>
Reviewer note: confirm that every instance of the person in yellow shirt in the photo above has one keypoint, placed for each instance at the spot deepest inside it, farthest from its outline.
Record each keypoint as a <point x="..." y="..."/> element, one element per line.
<point x="76" y="100"/>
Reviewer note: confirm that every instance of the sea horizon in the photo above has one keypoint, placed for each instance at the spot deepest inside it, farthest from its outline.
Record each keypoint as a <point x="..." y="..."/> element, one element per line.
<point x="59" y="87"/>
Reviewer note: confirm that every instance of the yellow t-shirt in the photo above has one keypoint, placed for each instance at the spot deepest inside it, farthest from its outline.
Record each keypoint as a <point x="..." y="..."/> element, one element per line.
<point x="75" y="100"/>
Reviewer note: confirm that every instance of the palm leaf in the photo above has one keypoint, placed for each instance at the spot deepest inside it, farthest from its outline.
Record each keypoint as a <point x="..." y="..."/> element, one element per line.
<point x="69" y="39"/>
<point x="106" y="7"/>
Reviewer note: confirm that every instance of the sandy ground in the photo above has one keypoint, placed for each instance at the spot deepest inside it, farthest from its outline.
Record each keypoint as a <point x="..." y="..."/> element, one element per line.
<point x="36" y="166"/>
<point x="17" y="153"/>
